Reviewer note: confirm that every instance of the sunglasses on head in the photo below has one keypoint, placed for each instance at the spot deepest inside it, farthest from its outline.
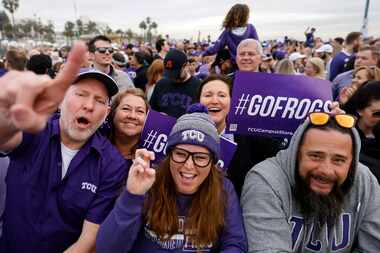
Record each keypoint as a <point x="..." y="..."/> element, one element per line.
<point x="321" y="118"/>
<point x="103" y="50"/>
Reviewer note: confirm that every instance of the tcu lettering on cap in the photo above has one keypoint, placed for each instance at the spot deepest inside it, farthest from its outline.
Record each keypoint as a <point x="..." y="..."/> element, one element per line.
<point x="193" y="135"/>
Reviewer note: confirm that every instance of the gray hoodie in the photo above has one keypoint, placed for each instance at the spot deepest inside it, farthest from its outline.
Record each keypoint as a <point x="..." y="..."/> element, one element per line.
<point x="274" y="223"/>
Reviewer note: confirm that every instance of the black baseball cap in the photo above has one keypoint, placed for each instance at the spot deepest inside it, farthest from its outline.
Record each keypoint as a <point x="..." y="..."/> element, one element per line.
<point x="108" y="81"/>
<point x="173" y="63"/>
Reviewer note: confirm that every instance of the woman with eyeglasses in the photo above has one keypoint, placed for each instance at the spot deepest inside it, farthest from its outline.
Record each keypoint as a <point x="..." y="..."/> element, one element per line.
<point x="127" y="117"/>
<point x="215" y="94"/>
<point x="185" y="205"/>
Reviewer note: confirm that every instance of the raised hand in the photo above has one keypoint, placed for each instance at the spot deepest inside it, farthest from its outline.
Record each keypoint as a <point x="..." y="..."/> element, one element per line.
<point x="27" y="99"/>
<point x="347" y="93"/>
<point x="141" y="177"/>
<point x="335" y="109"/>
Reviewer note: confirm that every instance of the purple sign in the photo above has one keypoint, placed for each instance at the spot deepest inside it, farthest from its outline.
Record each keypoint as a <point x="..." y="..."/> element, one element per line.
<point x="227" y="151"/>
<point x="274" y="104"/>
<point x="155" y="136"/>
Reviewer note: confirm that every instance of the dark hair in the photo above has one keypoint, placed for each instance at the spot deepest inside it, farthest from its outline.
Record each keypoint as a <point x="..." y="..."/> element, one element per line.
<point x="211" y="78"/>
<point x="352" y="36"/>
<point x="237" y="16"/>
<point x="140" y="58"/>
<point x="119" y="57"/>
<point x="159" y="44"/>
<point x="16" y="59"/>
<point x="331" y="125"/>
<point x="130" y="46"/>
<point x="339" y="40"/>
<point x="350" y="64"/>
<point x="64" y="48"/>
<point x="376" y="132"/>
<point x="91" y="43"/>
<point x="221" y="56"/>
<point x="364" y="96"/>
<point x="39" y="64"/>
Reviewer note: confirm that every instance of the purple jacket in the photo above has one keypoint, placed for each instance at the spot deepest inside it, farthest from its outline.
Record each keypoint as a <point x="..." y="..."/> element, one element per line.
<point x="124" y="231"/>
<point x="232" y="41"/>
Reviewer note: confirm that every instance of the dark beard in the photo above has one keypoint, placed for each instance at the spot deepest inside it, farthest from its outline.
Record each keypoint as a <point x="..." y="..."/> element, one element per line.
<point x="317" y="208"/>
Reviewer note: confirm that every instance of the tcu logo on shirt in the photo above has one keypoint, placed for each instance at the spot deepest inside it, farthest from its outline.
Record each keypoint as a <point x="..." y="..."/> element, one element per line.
<point x="338" y="238"/>
<point x="89" y="186"/>
<point x="193" y="135"/>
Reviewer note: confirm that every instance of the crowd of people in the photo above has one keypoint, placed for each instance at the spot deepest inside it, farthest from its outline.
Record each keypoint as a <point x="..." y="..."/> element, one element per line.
<point x="73" y="179"/>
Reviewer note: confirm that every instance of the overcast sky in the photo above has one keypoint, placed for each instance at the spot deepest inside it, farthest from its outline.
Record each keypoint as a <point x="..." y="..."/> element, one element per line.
<point x="184" y="18"/>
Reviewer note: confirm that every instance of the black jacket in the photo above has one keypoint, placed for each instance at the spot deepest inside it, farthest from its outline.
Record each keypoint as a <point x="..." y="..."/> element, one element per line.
<point x="250" y="151"/>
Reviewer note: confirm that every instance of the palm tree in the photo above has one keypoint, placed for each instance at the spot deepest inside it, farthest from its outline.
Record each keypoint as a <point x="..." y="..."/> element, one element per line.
<point x="129" y="34"/>
<point x="92" y="27"/>
<point x="154" y="26"/>
<point x="69" y="30"/>
<point x="49" y="32"/>
<point x="143" y="27"/>
<point x="11" y="6"/>
<point x="148" y="21"/>
<point x="121" y="34"/>
<point x="80" y="27"/>
<point x="151" y="25"/>
<point x="3" y="21"/>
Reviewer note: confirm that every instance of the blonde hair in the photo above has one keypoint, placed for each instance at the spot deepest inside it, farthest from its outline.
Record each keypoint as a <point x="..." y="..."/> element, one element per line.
<point x="319" y="66"/>
<point x="285" y="66"/>
<point x="373" y="72"/>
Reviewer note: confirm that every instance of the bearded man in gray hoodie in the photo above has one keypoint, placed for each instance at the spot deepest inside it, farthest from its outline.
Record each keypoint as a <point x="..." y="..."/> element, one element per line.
<point x="314" y="196"/>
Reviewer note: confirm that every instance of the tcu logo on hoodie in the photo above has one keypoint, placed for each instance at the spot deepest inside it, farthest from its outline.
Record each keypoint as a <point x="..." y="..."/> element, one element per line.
<point x="193" y="135"/>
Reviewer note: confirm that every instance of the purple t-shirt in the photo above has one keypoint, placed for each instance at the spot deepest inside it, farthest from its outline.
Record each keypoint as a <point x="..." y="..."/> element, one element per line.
<point x="45" y="213"/>
<point x="124" y="230"/>
<point x="338" y="64"/>
<point x="228" y="38"/>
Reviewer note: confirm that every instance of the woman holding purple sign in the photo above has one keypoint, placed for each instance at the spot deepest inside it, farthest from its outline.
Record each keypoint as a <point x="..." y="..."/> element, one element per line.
<point x="185" y="205"/>
<point x="215" y="94"/>
<point x="127" y="118"/>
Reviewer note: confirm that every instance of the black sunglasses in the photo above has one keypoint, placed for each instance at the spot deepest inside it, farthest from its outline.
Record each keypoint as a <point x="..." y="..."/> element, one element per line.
<point x="103" y="50"/>
<point x="376" y="114"/>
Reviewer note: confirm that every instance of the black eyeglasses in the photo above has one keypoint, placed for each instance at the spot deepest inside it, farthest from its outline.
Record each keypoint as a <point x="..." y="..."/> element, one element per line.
<point x="200" y="159"/>
<point x="103" y="50"/>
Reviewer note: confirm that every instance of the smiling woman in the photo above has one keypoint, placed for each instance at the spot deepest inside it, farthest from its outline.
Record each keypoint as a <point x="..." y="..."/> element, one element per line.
<point x="127" y="118"/>
<point x="185" y="205"/>
<point x="215" y="93"/>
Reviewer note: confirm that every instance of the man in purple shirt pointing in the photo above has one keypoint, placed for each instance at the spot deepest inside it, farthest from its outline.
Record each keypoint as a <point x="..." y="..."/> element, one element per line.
<point x="63" y="176"/>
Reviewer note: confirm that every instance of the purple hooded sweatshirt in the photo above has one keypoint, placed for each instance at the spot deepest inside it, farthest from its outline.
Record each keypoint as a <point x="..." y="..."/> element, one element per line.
<point x="123" y="231"/>
<point x="232" y="40"/>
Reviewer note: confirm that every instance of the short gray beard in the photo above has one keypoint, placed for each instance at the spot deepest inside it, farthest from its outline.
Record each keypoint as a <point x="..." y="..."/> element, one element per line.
<point x="67" y="126"/>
